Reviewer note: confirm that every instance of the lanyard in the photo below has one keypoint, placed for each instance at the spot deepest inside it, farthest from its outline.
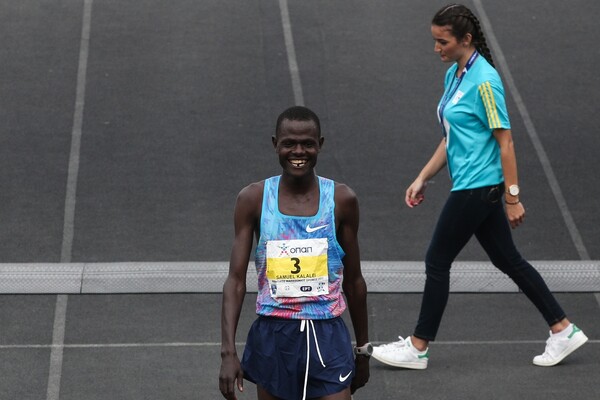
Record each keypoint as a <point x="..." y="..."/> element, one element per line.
<point x="453" y="88"/>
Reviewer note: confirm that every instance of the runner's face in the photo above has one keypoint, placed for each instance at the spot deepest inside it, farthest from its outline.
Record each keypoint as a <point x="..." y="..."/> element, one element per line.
<point x="297" y="144"/>
<point x="446" y="45"/>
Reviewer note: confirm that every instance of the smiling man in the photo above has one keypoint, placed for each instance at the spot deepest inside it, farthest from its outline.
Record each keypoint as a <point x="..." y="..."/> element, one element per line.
<point x="307" y="252"/>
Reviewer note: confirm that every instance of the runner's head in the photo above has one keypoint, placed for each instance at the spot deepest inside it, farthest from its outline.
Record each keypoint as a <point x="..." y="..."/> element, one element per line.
<point x="298" y="141"/>
<point x="298" y="113"/>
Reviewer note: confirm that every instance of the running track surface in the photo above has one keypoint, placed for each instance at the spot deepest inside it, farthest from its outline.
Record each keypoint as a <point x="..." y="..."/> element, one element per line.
<point x="129" y="128"/>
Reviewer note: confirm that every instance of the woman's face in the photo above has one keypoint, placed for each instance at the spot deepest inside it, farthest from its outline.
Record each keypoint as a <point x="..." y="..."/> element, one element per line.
<point x="447" y="46"/>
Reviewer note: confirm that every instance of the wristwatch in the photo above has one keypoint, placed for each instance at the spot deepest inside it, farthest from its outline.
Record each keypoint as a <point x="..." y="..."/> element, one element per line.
<point x="364" y="350"/>
<point x="513" y="190"/>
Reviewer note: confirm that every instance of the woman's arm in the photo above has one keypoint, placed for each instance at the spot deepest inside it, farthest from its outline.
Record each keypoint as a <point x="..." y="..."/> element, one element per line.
<point x="415" y="194"/>
<point x="514" y="208"/>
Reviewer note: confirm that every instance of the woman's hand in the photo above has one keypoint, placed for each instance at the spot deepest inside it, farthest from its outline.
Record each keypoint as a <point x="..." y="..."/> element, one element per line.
<point x="415" y="193"/>
<point x="515" y="214"/>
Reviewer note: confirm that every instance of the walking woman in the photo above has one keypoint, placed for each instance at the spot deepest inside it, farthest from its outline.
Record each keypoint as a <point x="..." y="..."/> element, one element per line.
<point x="477" y="148"/>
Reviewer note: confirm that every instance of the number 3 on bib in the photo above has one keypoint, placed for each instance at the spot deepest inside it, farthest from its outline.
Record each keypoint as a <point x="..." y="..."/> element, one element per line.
<point x="297" y="268"/>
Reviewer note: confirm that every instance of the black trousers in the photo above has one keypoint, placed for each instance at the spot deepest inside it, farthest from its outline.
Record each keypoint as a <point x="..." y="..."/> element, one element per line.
<point x="478" y="212"/>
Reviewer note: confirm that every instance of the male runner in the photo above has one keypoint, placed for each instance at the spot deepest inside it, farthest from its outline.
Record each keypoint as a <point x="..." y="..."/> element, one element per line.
<point x="307" y="252"/>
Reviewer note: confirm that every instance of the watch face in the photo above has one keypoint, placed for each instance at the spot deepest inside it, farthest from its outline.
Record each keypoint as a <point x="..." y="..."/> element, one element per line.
<point x="513" y="190"/>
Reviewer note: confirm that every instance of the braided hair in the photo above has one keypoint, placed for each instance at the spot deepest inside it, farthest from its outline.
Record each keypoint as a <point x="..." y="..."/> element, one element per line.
<point x="463" y="21"/>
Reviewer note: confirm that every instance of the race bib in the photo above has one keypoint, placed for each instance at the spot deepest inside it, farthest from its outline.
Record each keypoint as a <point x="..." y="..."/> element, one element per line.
<point x="297" y="268"/>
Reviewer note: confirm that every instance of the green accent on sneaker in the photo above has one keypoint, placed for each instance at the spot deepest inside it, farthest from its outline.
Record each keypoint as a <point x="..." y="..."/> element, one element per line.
<point x="575" y="330"/>
<point x="426" y="355"/>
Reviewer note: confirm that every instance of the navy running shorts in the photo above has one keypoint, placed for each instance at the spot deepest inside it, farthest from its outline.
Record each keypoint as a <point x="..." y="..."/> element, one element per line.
<point x="276" y="353"/>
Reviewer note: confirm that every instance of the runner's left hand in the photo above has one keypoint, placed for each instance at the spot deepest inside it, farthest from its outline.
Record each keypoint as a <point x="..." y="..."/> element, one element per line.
<point x="361" y="377"/>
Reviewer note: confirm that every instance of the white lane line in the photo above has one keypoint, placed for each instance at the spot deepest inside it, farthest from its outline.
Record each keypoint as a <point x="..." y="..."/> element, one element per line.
<point x="60" y="312"/>
<point x="495" y="342"/>
<point x="537" y="143"/>
<point x="291" y="53"/>
<point x="112" y="345"/>
<point x="56" y="354"/>
<point x="73" y="172"/>
<point x="241" y="344"/>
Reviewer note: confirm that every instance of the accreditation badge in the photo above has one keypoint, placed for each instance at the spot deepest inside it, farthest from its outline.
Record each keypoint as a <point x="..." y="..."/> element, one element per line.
<point x="297" y="268"/>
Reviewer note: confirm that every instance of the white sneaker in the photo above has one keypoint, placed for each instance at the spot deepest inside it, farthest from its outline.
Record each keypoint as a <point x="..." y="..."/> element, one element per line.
<point x="557" y="348"/>
<point x="401" y="354"/>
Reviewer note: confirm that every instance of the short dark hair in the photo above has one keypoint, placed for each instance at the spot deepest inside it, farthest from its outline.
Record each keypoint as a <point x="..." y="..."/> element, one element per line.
<point x="298" y="113"/>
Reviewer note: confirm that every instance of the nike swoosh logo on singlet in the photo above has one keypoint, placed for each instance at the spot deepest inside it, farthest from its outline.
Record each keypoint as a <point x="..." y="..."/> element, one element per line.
<point x="310" y="229"/>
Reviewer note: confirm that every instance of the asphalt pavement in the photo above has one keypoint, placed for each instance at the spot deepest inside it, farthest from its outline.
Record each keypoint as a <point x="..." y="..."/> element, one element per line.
<point x="129" y="128"/>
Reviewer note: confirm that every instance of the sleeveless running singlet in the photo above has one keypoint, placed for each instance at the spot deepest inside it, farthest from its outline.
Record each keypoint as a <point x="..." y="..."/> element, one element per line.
<point x="298" y="259"/>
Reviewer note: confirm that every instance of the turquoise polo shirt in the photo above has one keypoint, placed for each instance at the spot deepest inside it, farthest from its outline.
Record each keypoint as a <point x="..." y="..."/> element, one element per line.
<point x="476" y="108"/>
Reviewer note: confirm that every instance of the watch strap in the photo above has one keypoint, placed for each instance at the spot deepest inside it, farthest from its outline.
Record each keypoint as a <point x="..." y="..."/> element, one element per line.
<point x="364" y="350"/>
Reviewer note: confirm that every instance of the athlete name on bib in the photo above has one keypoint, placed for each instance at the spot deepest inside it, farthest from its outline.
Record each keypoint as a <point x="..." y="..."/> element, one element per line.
<point x="297" y="268"/>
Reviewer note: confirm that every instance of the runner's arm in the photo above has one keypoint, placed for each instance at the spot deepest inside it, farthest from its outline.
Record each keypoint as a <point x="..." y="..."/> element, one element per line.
<point x="234" y="288"/>
<point x="354" y="285"/>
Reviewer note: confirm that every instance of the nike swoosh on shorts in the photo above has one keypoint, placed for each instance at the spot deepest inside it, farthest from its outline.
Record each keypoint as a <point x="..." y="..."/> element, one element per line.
<point x="343" y="378"/>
